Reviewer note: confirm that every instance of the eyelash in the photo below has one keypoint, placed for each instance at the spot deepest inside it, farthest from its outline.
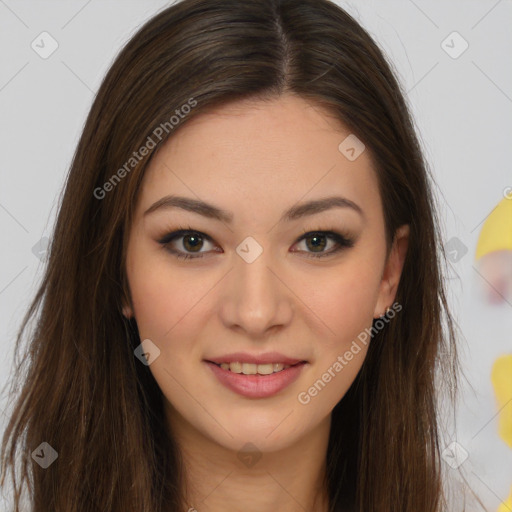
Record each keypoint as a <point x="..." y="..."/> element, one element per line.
<point x="343" y="241"/>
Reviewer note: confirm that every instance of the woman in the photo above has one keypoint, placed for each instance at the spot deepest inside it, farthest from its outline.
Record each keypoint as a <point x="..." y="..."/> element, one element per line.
<point x="243" y="302"/>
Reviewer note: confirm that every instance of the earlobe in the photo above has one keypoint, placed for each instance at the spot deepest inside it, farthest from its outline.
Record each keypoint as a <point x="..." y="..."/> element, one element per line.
<point x="393" y="270"/>
<point x="127" y="312"/>
<point x="126" y="303"/>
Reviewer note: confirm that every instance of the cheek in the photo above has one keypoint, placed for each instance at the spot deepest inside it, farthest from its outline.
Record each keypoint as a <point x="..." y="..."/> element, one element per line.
<point x="344" y="298"/>
<point x="344" y="303"/>
<point x="169" y="311"/>
<point x="164" y="300"/>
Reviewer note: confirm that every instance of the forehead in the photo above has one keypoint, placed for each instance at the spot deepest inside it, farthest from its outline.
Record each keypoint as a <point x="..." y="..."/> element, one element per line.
<point x="254" y="154"/>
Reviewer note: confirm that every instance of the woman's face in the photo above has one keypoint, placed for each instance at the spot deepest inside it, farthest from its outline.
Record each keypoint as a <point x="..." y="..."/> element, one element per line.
<point x="253" y="285"/>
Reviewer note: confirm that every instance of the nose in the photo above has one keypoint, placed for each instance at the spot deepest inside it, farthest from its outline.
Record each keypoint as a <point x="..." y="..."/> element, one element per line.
<point x="256" y="298"/>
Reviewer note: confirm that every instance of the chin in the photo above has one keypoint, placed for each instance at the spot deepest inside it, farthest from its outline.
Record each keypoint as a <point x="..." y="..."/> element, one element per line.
<point x="252" y="440"/>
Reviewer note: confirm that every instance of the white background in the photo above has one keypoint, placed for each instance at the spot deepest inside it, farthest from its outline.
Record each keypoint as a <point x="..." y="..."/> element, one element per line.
<point x="462" y="108"/>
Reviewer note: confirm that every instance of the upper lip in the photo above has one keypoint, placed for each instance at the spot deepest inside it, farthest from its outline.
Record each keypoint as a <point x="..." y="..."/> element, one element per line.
<point x="244" y="357"/>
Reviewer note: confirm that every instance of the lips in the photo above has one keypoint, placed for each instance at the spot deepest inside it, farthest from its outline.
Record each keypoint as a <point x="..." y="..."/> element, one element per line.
<point x="257" y="386"/>
<point x="265" y="358"/>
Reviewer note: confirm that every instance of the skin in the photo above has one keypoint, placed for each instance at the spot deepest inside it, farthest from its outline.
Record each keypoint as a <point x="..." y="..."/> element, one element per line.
<point x="257" y="159"/>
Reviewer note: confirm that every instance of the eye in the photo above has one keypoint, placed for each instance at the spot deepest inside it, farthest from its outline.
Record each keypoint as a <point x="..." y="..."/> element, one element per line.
<point x="318" y="242"/>
<point x="193" y="241"/>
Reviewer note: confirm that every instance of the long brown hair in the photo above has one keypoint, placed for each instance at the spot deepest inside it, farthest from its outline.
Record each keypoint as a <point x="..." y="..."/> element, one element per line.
<point x="79" y="386"/>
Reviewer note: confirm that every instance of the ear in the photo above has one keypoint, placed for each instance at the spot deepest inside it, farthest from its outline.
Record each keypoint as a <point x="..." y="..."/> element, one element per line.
<point x="392" y="271"/>
<point x="126" y="307"/>
<point x="126" y="300"/>
<point x="127" y="312"/>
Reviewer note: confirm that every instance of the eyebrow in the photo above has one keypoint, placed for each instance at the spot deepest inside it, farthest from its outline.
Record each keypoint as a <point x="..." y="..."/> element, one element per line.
<point x="213" y="212"/>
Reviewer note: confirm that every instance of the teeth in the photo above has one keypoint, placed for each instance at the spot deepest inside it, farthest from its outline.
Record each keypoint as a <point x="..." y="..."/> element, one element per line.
<point x="253" y="369"/>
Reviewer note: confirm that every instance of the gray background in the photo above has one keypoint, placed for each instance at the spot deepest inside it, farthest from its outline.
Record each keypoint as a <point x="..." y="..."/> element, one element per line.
<point x="462" y="107"/>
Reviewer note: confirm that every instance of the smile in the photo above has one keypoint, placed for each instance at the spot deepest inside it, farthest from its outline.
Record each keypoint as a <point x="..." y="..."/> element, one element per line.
<point x="256" y="380"/>
<point x="253" y="369"/>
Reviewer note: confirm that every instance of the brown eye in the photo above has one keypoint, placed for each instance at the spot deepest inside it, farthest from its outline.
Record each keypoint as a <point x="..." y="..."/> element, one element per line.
<point x="316" y="241"/>
<point x="192" y="242"/>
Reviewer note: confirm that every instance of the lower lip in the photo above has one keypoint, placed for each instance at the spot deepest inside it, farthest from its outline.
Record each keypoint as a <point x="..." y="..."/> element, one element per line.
<point x="257" y="386"/>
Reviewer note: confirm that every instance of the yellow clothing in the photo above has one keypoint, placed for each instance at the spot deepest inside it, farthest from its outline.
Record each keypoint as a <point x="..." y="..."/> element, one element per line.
<point x="507" y="505"/>
<point x="501" y="377"/>
<point x="496" y="233"/>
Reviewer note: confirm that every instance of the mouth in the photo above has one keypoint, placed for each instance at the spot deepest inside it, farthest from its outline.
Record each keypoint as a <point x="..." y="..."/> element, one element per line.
<point x="253" y="368"/>
<point x="253" y="380"/>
